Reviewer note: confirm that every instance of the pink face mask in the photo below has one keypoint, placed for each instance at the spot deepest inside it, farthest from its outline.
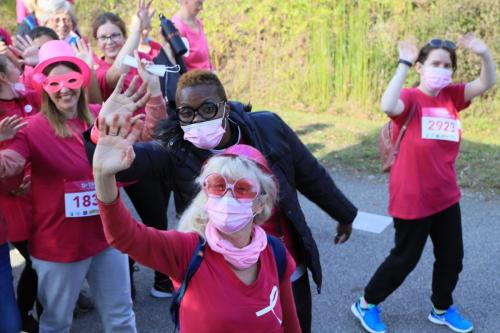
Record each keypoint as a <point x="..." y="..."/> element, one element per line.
<point x="436" y="78"/>
<point x="227" y="214"/>
<point x="54" y="83"/>
<point x="206" y="134"/>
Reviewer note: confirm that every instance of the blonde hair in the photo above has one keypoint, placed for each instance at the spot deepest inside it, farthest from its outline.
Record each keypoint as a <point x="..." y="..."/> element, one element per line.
<point x="58" y="120"/>
<point x="194" y="218"/>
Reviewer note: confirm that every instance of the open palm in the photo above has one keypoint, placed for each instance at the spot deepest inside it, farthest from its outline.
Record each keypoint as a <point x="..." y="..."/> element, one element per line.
<point x="114" y="151"/>
<point x="124" y="103"/>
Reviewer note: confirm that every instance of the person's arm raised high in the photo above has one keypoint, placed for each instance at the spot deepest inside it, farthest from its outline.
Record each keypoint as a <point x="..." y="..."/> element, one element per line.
<point x="391" y="104"/>
<point x="487" y="78"/>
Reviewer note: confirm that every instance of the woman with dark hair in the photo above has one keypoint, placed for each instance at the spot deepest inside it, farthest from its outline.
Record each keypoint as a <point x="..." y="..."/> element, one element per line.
<point x="423" y="191"/>
<point x="149" y="198"/>
<point x="67" y="243"/>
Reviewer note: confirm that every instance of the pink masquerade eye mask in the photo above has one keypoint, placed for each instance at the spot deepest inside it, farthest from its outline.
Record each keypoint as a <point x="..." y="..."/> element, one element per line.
<point x="54" y="83"/>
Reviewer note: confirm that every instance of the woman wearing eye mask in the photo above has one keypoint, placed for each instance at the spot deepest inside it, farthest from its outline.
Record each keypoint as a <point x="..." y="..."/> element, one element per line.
<point x="67" y="243"/>
<point x="423" y="191"/>
<point x="236" y="287"/>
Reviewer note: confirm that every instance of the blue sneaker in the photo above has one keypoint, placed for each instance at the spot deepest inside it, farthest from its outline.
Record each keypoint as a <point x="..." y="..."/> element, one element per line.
<point x="369" y="318"/>
<point x="452" y="319"/>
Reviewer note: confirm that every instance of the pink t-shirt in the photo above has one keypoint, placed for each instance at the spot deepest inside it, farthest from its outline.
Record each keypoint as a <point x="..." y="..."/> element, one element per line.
<point x="199" y="53"/>
<point x="57" y="163"/>
<point x="423" y="178"/>
<point x="216" y="300"/>
<point x="17" y="209"/>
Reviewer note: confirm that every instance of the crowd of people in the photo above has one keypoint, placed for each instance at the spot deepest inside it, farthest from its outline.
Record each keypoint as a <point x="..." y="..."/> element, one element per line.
<point x="153" y="118"/>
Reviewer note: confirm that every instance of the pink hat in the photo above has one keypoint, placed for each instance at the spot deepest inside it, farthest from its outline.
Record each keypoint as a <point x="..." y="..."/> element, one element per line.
<point x="249" y="152"/>
<point x="56" y="51"/>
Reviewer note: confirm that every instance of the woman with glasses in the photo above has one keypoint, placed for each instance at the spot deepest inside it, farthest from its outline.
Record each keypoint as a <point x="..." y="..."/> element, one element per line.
<point x="150" y="199"/>
<point x="205" y="124"/>
<point x="237" y="286"/>
<point x="423" y="191"/>
<point x="110" y="32"/>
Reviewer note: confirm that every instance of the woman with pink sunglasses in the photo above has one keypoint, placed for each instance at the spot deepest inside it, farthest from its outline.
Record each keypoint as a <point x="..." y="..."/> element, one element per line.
<point x="237" y="287"/>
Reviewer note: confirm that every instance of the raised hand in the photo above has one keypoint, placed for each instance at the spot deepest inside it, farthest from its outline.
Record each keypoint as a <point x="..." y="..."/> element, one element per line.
<point x="4" y="49"/>
<point x="83" y="50"/>
<point x="24" y="187"/>
<point x="408" y="50"/>
<point x="471" y="42"/>
<point x="9" y="126"/>
<point x="27" y="49"/>
<point x="152" y="81"/>
<point x="144" y="15"/>
<point x="114" y="151"/>
<point x="124" y="103"/>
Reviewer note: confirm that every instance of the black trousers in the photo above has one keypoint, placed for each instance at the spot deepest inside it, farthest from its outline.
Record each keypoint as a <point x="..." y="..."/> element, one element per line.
<point x="28" y="282"/>
<point x="445" y="230"/>
<point x="150" y="199"/>
<point x="303" y="303"/>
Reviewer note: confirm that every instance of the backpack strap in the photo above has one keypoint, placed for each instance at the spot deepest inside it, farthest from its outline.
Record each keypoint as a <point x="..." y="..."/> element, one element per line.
<point x="279" y="254"/>
<point x="195" y="262"/>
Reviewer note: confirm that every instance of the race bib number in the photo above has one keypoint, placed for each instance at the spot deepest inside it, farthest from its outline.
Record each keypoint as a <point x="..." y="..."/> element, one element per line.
<point x="440" y="124"/>
<point x="80" y="199"/>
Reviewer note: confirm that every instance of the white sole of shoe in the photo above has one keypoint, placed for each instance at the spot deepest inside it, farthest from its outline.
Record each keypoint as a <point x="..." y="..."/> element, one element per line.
<point x="440" y="322"/>
<point x="159" y="294"/>
<point x="356" y="313"/>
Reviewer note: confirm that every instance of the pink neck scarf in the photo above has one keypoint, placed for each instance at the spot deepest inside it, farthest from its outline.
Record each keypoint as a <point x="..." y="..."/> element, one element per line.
<point x="241" y="258"/>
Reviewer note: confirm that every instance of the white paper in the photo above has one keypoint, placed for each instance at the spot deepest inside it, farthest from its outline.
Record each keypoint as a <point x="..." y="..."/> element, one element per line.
<point x="371" y="222"/>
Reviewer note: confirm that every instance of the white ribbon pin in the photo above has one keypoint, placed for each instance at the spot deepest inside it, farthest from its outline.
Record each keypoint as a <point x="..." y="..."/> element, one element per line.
<point x="273" y="299"/>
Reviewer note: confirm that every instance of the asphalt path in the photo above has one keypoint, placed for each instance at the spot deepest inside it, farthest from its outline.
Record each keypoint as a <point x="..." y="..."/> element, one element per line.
<point x="348" y="267"/>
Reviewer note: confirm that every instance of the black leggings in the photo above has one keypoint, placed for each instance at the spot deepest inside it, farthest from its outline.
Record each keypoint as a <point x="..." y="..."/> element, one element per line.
<point x="303" y="303"/>
<point x="150" y="199"/>
<point x="445" y="230"/>
<point x="28" y="282"/>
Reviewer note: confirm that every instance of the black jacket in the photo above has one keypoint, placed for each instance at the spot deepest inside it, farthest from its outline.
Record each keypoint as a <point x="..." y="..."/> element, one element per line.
<point x="179" y="163"/>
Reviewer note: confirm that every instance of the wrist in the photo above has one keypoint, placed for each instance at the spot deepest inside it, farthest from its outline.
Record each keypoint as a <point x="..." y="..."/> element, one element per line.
<point x="405" y="62"/>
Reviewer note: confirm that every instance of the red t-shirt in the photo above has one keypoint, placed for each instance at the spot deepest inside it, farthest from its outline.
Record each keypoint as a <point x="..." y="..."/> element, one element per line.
<point x="17" y="209"/>
<point x="55" y="162"/>
<point x="423" y="178"/>
<point x="199" y="54"/>
<point x="289" y="236"/>
<point x="101" y="68"/>
<point x="216" y="300"/>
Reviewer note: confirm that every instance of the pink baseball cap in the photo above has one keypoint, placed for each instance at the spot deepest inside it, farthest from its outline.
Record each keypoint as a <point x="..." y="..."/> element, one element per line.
<point x="55" y="51"/>
<point x="249" y="152"/>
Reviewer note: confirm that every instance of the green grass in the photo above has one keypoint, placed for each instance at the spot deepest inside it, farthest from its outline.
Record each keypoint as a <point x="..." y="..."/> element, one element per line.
<point x="351" y="142"/>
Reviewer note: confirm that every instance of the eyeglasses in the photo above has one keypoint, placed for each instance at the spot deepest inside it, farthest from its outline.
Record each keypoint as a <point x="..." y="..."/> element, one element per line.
<point x="54" y="83"/>
<point x="207" y="111"/>
<point x="216" y="185"/>
<point x="442" y="43"/>
<point x="113" y="37"/>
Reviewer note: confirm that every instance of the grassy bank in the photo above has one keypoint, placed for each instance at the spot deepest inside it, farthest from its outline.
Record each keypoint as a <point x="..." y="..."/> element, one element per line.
<point x="325" y="63"/>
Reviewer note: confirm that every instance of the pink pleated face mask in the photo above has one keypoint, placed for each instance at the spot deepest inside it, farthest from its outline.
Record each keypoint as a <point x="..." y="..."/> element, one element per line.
<point x="436" y="78"/>
<point x="229" y="214"/>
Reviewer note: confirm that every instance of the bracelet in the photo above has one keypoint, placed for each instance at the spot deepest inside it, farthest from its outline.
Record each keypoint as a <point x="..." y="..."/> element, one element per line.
<point x="405" y="62"/>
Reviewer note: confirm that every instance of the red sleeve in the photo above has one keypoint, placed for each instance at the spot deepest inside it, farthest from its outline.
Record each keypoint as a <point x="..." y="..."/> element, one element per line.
<point x="100" y="74"/>
<point x="166" y="251"/>
<point x="457" y="95"/>
<point x="156" y="110"/>
<point x="290" y="319"/>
